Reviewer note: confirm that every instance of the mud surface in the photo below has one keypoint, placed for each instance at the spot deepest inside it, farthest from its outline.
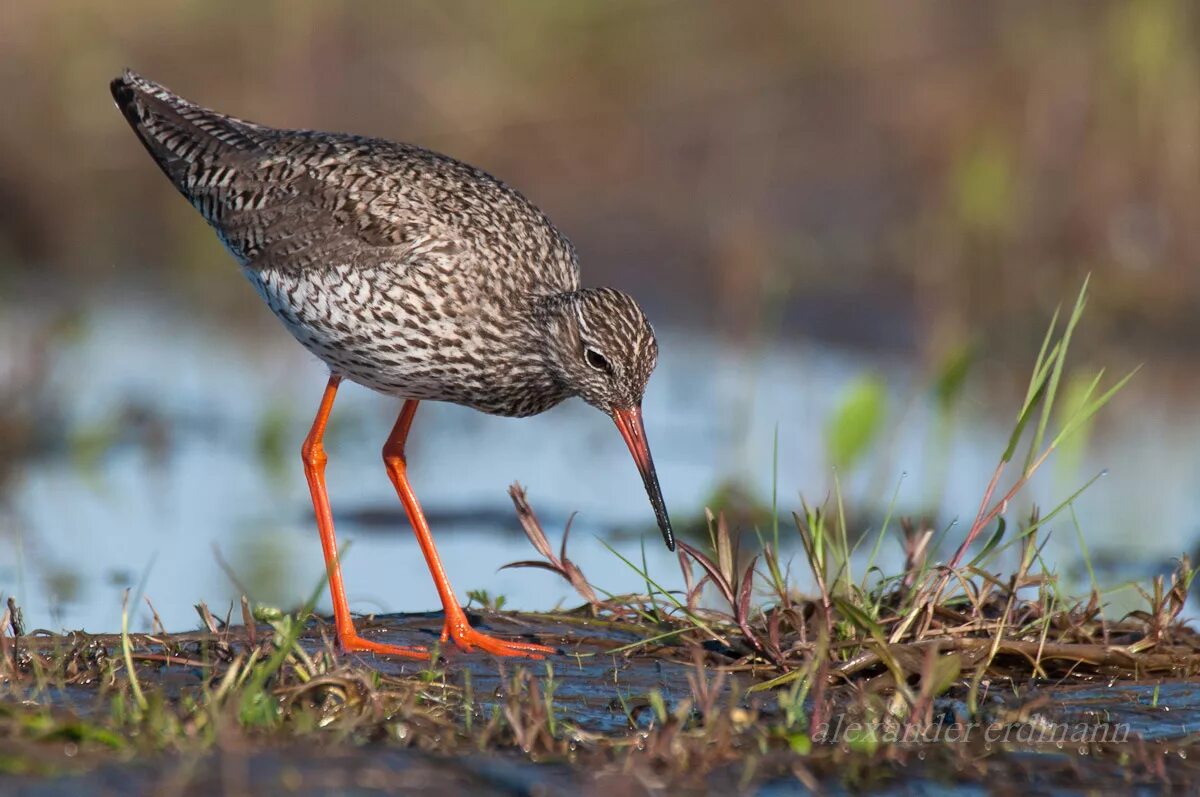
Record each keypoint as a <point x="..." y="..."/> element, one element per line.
<point x="599" y="691"/>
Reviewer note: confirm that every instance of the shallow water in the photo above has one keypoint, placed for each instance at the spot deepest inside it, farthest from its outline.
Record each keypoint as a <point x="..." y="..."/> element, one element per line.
<point x="1169" y="710"/>
<point x="162" y="440"/>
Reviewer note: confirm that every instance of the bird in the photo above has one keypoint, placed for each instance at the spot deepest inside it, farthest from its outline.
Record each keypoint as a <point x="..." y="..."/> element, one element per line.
<point x="412" y="274"/>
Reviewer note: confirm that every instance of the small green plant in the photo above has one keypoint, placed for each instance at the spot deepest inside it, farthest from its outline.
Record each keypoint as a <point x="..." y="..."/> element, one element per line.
<point x="856" y="423"/>
<point x="484" y="599"/>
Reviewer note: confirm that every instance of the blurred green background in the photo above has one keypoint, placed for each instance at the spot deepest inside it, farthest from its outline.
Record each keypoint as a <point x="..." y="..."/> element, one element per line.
<point x="880" y="174"/>
<point x="849" y="222"/>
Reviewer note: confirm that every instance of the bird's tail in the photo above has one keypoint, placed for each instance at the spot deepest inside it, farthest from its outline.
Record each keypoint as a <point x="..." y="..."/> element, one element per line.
<point x="176" y="132"/>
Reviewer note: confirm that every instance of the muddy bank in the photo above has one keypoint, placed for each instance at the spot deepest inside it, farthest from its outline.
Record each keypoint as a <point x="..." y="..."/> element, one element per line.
<point x="598" y="718"/>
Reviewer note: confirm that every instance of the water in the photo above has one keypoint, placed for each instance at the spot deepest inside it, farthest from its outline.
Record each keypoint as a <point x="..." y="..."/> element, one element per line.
<point x="1019" y="736"/>
<point x="168" y="444"/>
<point x="1166" y="710"/>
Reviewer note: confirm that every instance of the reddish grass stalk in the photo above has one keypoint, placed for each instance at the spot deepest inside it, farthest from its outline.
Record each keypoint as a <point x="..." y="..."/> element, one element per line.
<point x="984" y="518"/>
<point x="979" y="524"/>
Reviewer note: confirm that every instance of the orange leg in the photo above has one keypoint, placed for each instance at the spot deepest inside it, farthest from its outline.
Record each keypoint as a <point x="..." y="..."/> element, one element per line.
<point x="314" y="468"/>
<point x="456" y="626"/>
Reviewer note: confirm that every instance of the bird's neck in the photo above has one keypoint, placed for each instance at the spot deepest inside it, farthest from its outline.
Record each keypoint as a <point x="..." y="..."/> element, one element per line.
<point x="556" y="315"/>
<point x="555" y="306"/>
<point x="555" y="321"/>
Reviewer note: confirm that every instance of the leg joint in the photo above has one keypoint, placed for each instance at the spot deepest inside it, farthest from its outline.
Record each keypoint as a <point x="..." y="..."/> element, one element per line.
<point x="393" y="449"/>
<point x="313" y="454"/>
<point x="393" y="455"/>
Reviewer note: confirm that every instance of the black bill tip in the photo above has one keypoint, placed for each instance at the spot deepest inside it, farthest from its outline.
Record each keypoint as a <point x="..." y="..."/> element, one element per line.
<point x="629" y="422"/>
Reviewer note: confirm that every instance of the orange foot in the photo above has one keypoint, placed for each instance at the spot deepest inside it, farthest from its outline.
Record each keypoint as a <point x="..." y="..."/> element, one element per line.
<point x="467" y="638"/>
<point x="353" y="643"/>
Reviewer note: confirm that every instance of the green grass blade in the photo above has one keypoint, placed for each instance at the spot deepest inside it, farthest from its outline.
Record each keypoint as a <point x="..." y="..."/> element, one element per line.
<point x="1086" y="412"/>
<point x="667" y="594"/>
<point x="1056" y="375"/>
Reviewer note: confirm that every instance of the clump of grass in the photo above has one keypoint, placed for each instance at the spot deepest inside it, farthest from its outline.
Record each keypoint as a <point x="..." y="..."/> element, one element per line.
<point x="285" y="681"/>
<point x="258" y="683"/>
<point x="914" y="634"/>
<point x="686" y="741"/>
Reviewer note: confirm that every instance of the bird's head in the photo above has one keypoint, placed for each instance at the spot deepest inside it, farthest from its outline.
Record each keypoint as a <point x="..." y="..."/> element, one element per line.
<point x="603" y="349"/>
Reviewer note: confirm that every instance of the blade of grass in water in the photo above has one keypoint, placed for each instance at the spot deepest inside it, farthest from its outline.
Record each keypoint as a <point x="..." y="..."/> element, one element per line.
<point x="127" y="652"/>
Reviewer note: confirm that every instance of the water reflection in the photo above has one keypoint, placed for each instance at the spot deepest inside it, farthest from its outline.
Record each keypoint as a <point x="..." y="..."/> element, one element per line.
<point x="173" y="444"/>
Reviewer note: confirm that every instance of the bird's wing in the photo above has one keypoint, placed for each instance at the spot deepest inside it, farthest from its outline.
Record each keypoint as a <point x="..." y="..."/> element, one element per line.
<point x="276" y="198"/>
<point x="290" y="200"/>
<point x="290" y="213"/>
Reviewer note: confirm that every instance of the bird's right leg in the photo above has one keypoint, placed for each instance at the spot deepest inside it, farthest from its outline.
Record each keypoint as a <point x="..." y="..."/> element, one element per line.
<point x="314" y="469"/>
<point x="456" y="626"/>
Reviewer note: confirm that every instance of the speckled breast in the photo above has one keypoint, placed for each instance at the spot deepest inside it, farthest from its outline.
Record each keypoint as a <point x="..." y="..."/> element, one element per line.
<point x="403" y="332"/>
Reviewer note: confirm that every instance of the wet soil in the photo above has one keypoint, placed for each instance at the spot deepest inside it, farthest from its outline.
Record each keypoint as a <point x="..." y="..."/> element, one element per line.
<point x="596" y="690"/>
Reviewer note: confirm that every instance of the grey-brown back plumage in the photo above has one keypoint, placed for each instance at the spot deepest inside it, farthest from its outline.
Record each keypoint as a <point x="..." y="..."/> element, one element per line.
<point x="295" y="199"/>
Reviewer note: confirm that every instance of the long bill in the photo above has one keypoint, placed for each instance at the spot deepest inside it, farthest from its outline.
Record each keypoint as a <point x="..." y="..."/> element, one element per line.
<point x="629" y="422"/>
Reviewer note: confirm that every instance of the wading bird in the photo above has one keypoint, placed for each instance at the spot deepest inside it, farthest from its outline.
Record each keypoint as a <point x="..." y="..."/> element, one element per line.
<point x="415" y="275"/>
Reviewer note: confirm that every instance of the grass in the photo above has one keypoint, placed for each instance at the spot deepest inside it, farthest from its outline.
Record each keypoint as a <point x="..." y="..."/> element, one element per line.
<point x="973" y="618"/>
<point x="289" y="691"/>
<point x="742" y="677"/>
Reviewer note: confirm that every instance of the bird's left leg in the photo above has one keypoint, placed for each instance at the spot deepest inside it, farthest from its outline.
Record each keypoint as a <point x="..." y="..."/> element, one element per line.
<point x="456" y="626"/>
<point x="315" y="459"/>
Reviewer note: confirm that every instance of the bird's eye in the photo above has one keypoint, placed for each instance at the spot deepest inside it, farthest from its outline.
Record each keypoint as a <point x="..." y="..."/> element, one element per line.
<point x="596" y="359"/>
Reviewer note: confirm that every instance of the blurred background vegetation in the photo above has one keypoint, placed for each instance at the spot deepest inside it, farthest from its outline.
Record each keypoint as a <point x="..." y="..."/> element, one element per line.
<point x="909" y="188"/>
<point x="897" y="176"/>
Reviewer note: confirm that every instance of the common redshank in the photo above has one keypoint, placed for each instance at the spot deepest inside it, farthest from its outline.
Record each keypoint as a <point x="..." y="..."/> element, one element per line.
<point x="415" y="275"/>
